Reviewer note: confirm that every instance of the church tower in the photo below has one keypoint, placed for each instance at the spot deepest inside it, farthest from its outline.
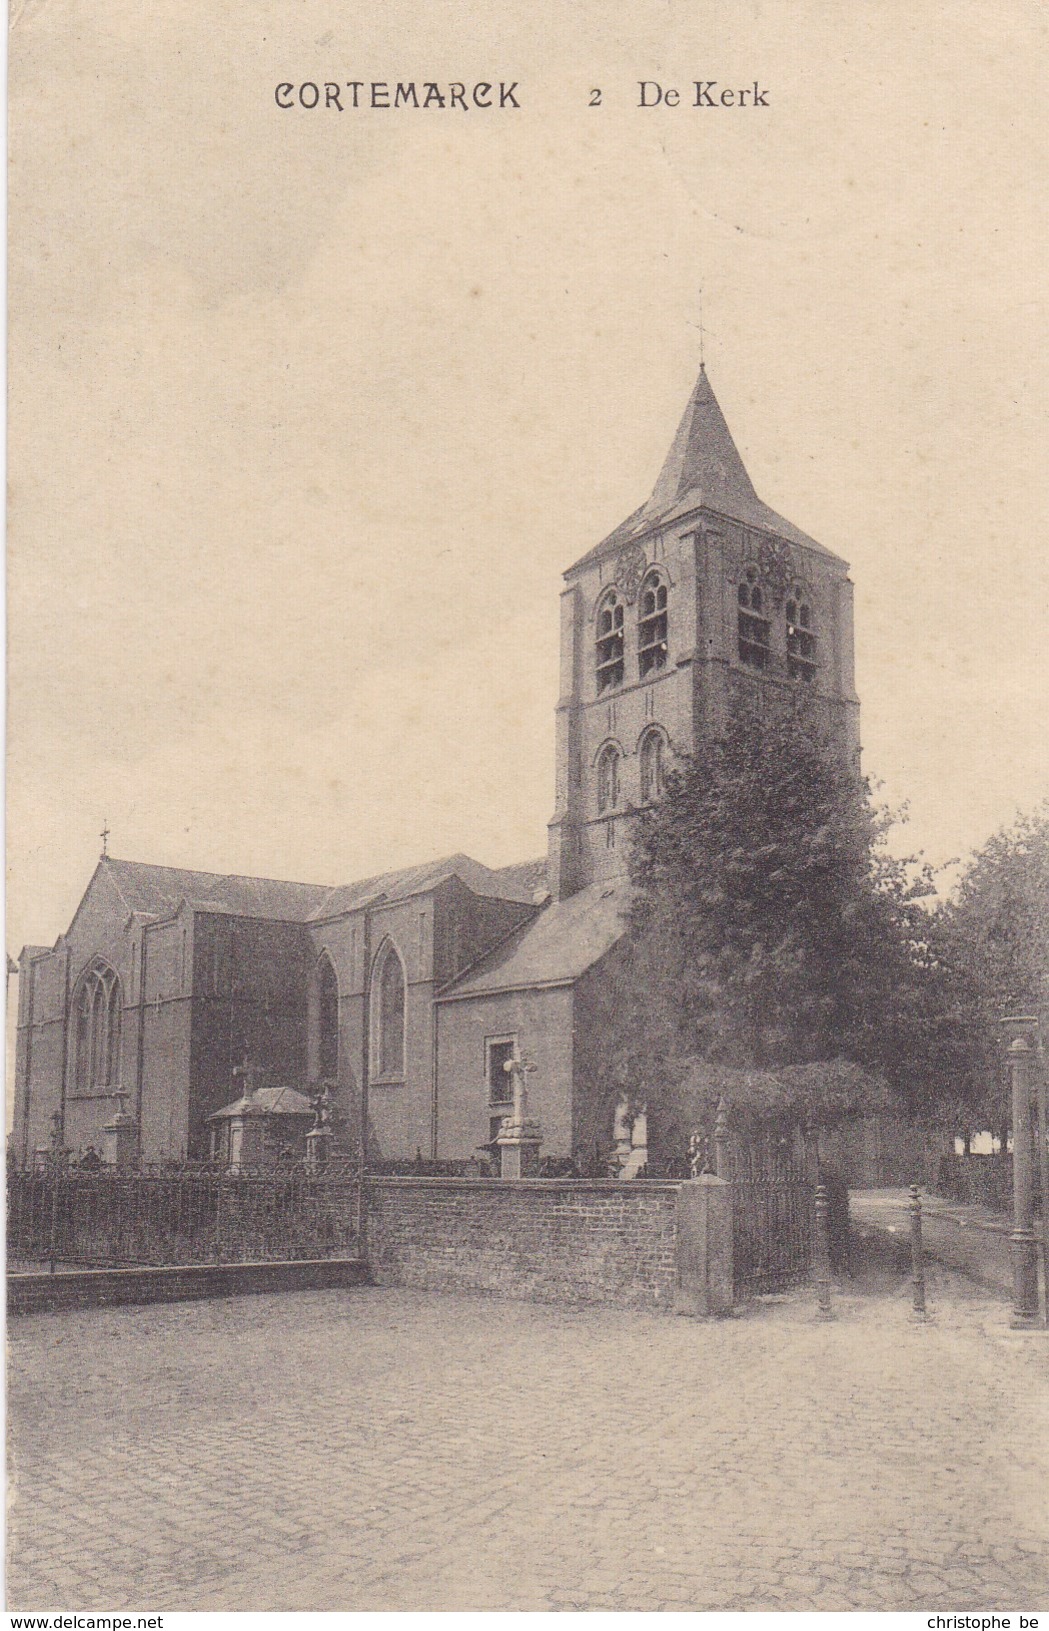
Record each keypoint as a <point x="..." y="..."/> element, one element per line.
<point x="702" y="601"/>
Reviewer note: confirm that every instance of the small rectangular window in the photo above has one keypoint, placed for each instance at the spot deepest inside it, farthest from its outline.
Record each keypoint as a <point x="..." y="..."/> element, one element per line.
<point x="499" y="1050"/>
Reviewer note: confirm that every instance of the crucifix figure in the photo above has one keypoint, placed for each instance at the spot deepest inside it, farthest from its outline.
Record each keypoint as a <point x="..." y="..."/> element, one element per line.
<point x="518" y="1069"/>
<point x="519" y="1137"/>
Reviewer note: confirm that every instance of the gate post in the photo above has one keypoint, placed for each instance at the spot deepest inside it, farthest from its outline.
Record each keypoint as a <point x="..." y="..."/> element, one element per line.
<point x="703" y="1272"/>
<point x="823" y="1307"/>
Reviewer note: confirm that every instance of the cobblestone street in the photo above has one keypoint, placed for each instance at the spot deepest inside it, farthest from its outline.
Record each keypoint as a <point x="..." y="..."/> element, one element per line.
<point x="381" y="1449"/>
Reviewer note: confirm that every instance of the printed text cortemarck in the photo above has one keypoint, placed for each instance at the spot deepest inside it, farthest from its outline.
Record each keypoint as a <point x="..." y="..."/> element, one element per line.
<point x="410" y="93"/>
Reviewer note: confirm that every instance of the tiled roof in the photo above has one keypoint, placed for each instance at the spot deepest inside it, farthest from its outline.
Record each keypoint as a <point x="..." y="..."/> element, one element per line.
<point x="267" y="1101"/>
<point x="556" y="947"/>
<point x="702" y="470"/>
<point x="509" y="883"/>
<point x="526" y="875"/>
<point x="157" y="890"/>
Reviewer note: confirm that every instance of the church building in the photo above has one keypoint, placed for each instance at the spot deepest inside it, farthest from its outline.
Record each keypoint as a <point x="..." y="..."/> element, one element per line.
<point x="172" y="991"/>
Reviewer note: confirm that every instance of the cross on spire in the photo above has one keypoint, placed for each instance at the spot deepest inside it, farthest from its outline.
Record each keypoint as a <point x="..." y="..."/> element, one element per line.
<point x="104" y="835"/>
<point x="703" y="331"/>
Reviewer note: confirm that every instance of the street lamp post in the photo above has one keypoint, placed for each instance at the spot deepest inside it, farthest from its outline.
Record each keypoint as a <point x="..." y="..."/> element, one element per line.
<point x="1020" y="1029"/>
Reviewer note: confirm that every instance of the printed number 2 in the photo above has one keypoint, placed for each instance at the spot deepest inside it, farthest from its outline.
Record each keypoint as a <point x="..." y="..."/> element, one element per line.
<point x="595" y="99"/>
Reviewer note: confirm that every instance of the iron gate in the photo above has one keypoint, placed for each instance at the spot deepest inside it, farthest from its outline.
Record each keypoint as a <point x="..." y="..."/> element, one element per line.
<point x="773" y="1221"/>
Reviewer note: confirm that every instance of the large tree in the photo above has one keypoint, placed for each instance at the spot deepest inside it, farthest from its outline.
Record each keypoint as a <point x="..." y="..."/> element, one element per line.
<point x="996" y="931"/>
<point x="777" y="950"/>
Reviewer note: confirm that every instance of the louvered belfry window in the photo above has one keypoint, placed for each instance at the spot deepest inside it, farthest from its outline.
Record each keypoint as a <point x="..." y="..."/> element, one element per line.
<point x="652" y="625"/>
<point x="801" y="637"/>
<point x="754" y="627"/>
<point x="610" y="643"/>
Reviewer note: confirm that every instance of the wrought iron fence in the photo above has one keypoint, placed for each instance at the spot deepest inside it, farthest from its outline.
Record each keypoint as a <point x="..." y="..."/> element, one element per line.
<point x="773" y="1221"/>
<point x="170" y="1217"/>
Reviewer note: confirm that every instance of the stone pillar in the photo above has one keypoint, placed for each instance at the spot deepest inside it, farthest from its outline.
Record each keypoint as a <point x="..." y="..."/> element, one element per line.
<point x="1020" y="1054"/>
<point x="704" y="1273"/>
<point x="318" y="1146"/>
<point x="247" y="1142"/>
<point x="118" y="1140"/>
<point x="520" y="1135"/>
<point x="519" y="1143"/>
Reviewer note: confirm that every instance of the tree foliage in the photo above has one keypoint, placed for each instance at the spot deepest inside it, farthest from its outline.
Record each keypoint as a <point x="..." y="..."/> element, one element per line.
<point x="995" y="931"/>
<point x="777" y="951"/>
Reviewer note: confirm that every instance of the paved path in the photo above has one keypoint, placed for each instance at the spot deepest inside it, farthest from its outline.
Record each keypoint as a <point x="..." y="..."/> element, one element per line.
<point x="382" y="1449"/>
<point x="972" y="1239"/>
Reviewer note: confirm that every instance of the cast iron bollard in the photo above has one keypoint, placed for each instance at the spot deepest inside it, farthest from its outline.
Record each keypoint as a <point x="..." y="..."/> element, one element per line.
<point x="823" y="1308"/>
<point x="917" y="1255"/>
<point x="1022" y="1032"/>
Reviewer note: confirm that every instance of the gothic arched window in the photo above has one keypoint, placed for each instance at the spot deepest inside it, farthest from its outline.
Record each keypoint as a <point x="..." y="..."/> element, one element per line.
<point x="608" y="779"/>
<point x="388" y="1015"/>
<point x="96" y="1020"/>
<point x="652" y="766"/>
<point x="754" y="625"/>
<point x="325" y="1014"/>
<point x="652" y="625"/>
<point x="801" y="637"/>
<point x="610" y="642"/>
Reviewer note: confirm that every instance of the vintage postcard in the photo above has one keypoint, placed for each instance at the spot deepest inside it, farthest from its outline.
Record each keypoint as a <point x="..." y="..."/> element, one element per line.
<point x="527" y="809"/>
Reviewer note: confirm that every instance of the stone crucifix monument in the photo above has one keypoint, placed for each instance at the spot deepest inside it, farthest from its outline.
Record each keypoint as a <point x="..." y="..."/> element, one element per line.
<point x="520" y="1136"/>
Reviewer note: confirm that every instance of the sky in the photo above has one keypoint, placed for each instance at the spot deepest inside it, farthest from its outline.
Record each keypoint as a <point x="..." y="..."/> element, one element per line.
<point x="309" y="411"/>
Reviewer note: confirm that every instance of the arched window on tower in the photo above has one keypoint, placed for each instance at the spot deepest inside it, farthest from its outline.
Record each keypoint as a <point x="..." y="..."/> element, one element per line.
<point x="652" y="765"/>
<point x="610" y="642"/>
<point x="607" y="779"/>
<point x="97" y="1006"/>
<point x="652" y="625"/>
<point x="388" y="1015"/>
<point x="753" y="623"/>
<point x="801" y="637"/>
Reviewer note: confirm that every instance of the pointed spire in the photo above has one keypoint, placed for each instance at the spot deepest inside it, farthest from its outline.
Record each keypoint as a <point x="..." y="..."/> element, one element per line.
<point x="703" y="457"/>
<point x="703" y="470"/>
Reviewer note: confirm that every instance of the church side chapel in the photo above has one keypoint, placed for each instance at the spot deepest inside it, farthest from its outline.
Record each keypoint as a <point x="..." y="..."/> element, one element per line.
<point x="185" y="1012"/>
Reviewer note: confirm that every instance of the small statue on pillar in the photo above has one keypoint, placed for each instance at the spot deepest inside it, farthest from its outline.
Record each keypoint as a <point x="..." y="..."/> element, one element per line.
<point x="520" y="1135"/>
<point x="320" y="1136"/>
<point x="698" y="1154"/>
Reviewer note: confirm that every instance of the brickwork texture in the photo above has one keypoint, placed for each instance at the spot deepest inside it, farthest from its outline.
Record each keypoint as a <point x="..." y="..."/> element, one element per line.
<point x="544" y="1239"/>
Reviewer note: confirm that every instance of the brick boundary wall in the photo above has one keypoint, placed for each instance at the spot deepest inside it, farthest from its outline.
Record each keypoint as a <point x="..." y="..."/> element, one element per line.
<point x="650" y="1245"/>
<point x="642" y="1244"/>
<point x="101" y="1288"/>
